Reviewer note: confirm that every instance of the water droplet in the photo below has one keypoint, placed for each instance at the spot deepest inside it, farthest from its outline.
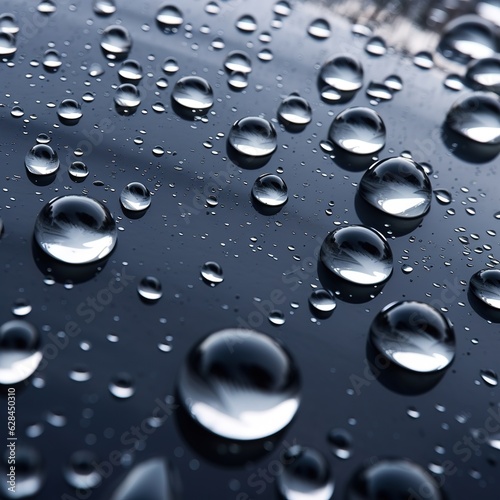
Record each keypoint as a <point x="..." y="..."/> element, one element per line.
<point x="282" y="8"/>
<point x="453" y="82"/>
<point x="319" y="29"/>
<point x="127" y="96"/>
<point x="8" y="24"/>
<point x="253" y="136"/>
<point x="116" y="42"/>
<point x="276" y="317"/>
<point x="95" y="70"/>
<point x="237" y="61"/>
<point x="443" y="197"/>
<point x="153" y="479"/>
<point x="358" y="130"/>
<point x="485" y="285"/>
<point x="29" y="473"/>
<point x="104" y="7"/>
<point x="406" y="268"/>
<point x="343" y="73"/>
<point x="397" y="186"/>
<point x="494" y="441"/>
<point x="477" y="117"/>
<point x="69" y="111"/>
<point x="169" y="18"/>
<point x="322" y="301"/>
<point x="379" y="91"/>
<point x="376" y="46"/>
<point x="394" y="82"/>
<point x="295" y="110"/>
<point x="135" y="197"/>
<point x="46" y="7"/>
<point x="80" y="471"/>
<point x="240" y="384"/>
<point x="75" y="229"/>
<point x="7" y="44"/>
<point x="485" y="73"/>
<point x="490" y="10"/>
<point x="20" y="352"/>
<point x="41" y="160"/>
<point x="130" y="71"/>
<point x="212" y="8"/>
<point x="490" y="377"/>
<point x="21" y="307"/>
<point x="17" y="111"/>
<point x="392" y="478"/>
<point x="238" y="80"/>
<point x="270" y="190"/>
<point x="80" y="374"/>
<point x="265" y="55"/>
<point x="212" y="272"/>
<point x="122" y="386"/>
<point x="78" y="171"/>
<point x="51" y="60"/>
<point x="340" y="443"/>
<point x="193" y="93"/>
<point x="357" y="254"/>
<point x="149" y="288"/>
<point x="423" y="60"/>
<point x="467" y="37"/>
<point x="246" y="24"/>
<point x="414" y="335"/>
<point x="170" y="65"/>
<point x="412" y="412"/>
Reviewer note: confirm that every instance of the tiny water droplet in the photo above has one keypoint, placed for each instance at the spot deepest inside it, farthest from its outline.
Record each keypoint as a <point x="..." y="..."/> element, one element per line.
<point x="394" y="82"/>
<point x="7" y="44"/>
<point x="170" y="65"/>
<point x="414" y="335"/>
<point x="75" y="229"/>
<point x="270" y="190"/>
<point x="379" y="91"/>
<point x="485" y="74"/>
<point x="46" y="7"/>
<point x="41" y="160"/>
<point x="253" y="136"/>
<point x="149" y="288"/>
<point x="295" y="110"/>
<point x="240" y="384"/>
<point x="135" y="197"/>
<point x="8" y="24"/>
<point x="357" y="254"/>
<point x="17" y="111"/>
<point x="51" y="60"/>
<point x="212" y="272"/>
<point x="423" y="60"/>
<point x="453" y="82"/>
<point x="412" y="412"/>
<point x="282" y="8"/>
<point x="104" y="7"/>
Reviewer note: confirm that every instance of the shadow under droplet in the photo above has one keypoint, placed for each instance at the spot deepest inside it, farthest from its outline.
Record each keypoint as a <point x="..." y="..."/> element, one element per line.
<point x="245" y="161"/>
<point x="186" y="113"/>
<point x="385" y="223"/>
<point x="41" y="180"/>
<point x="62" y="272"/>
<point x="396" y="378"/>
<point x="219" y="450"/>
<point x="67" y="122"/>
<point x="125" y="110"/>
<point x="133" y="214"/>
<point x="264" y="209"/>
<point x="292" y="128"/>
<point x="345" y="290"/>
<point x="486" y="312"/>
<point x="350" y="161"/>
<point x="467" y="149"/>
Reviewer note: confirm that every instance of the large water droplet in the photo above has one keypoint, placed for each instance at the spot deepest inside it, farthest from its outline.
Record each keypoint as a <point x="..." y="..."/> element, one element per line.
<point x="393" y="478"/>
<point x="253" y="136"/>
<point x="322" y="301"/>
<point x="153" y="479"/>
<point x="193" y="93"/>
<point x="20" y="352"/>
<point x="295" y="110"/>
<point x="357" y="254"/>
<point x="135" y="197"/>
<point x="116" y="42"/>
<point x="149" y="288"/>
<point x="80" y="471"/>
<point x="485" y="74"/>
<point x="75" y="229"/>
<point x="237" y="61"/>
<point x="69" y="111"/>
<point x="306" y="474"/>
<point x="169" y="18"/>
<point x="358" y="130"/>
<point x="127" y="97"/>
<point x="343" y="73"/>
<point x="212" y="272"/>
<point x="467" y="37"/>
<point x="397" y="186"/>
<point x="41" y="160"/>
<point x="8" y="24"/>
<point x="319" y="29"/>
<point x="477" y="117"/>
<point x="414" y="335"/>
<point x="240" y="384"/>
<point x="270" y="190"/>
<point x="29" y="473"/>
<point x="485" y="285"/>
<point x="7" y="44"/>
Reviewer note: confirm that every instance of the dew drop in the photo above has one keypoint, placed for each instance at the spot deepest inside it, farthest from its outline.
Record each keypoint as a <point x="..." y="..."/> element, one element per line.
<point x="8" y="24"/>
<point x="485" y="74"/>
<point x="149" y="288"/>
<point x="51" y="60"/>
<point x="282" y="8"/>
<point x="240" y="384"/>
<point x="75" y="229"/>
<point x="212" y="273"/>
<point x="238" y="81"/>
<point x="379" y="91"/>
<point x="21" y="307"/>
<point x="394" y="82"/>
<point x="270" y="190"/>
<point x="357" y="254"/>
<point x="423" y="60"/>
<point x="276" y="317"/>
<point x="485" y="285"/>
<point x="41" y="160"/>
<point x="170" y="65"/>
<point x="397" y="186"/>
<point x="306" y="474"/>
<point x="453" y="82"/>
<point x="443" y="196"/>
<point x="20" y="352"/>
<point x="253" y="136"/>
<point x="46" y="7"/>
<point x="135" y="197"/>
<point x="358" y="130"/>
<point x="17" y="111"/>
<point x="414" y="335"/>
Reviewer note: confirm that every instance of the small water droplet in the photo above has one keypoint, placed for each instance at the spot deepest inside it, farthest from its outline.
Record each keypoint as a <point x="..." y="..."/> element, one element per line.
<point x="75" y="229"/>
<point x="212" y="8"/>
<point x="253" y="136"/>
<point x="414" y="335"/>
<point x="358" y="130"/>
<point x="193" y="93"/>
<point x="423" y="60"/>
<point x="394" y="82"/>
<point x="20" y="352"/>
<point x="412" y="412"/>
<point x="46" y="7"/>
<point x="169" y="18"/>
<point x="485" y="285"/>
<point x="340" y="443"/>
<point x="69" y="111"/>
<point x="443" y="196"/>
<point x="80" y="472"/>
<point x="295" y="110"/>
<point x="127" y="97"/>
<point x="240" y="384"/>
<point x="246" y="24"/>
<point x="212" y="273"/>
<point x="78" y="171"/>
<point x="130" y="71"/>
<point x="80" y="374"/>
<point x="21" y="307"/>
<point x="8" y="24"/>
<point x="319" y="29"/>
<point x="122" y="386"/>
<point x="276" y="317"/>
<point x="116" y="42"/>
<point x="379" y="91"/>
<point x="490" y="377"/>
<point x="149" y="288"/>
<point x="270" y="190"/>
<point x="282" y="8"/>
<point x="237" y="80"/>
<point x="135" y="197"/>
<point x="376" y="46"/>
<point x="406" y="268"/>
<point x="494" y="441"/>
<point x="104" y="7"/>
<point x="397" y="186"/>
<point x="170" y="65"/>
<point x="343" y="73"/>
<point x="51" y="60"/>
<point x="453" y="82"/>
<point x="322" y="301"/>
<point x="357" y="254"/>
<point x="41" y="160"/>
<point x="238" y="61"/>
<point x="485" y="74"/>
<point x="17" y="111"/>
<point x="95" y="70"/>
